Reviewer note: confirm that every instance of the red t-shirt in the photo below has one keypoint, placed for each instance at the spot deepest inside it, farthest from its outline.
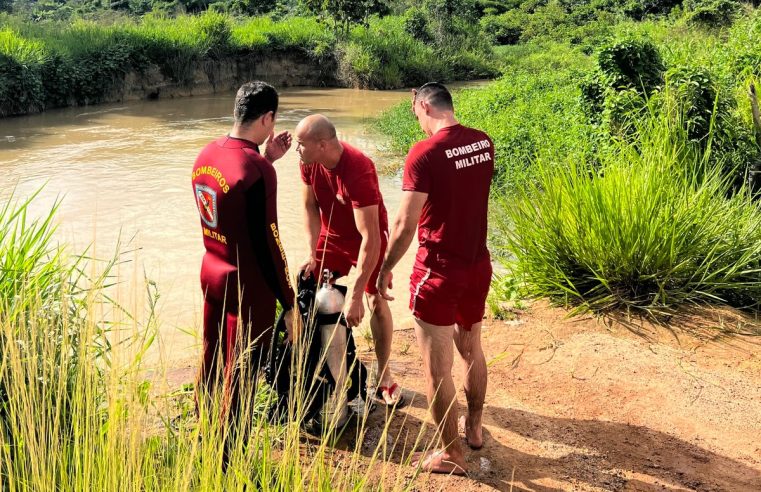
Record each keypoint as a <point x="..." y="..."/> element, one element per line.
<point x="454" y="167"/>
<point x="353" y="183"/>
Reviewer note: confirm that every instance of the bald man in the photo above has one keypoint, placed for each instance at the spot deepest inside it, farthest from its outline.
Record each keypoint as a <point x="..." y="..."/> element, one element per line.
<point x="347" y="225"/>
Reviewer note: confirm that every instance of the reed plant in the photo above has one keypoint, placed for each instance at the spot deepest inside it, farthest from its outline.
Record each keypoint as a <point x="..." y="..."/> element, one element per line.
<point x="81" y="410"/>
<point x="650" y="227"/>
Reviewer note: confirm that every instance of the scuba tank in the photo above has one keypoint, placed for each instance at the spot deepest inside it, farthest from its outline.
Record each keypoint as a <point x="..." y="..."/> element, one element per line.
<point x="329" y="299"/>
<point x="330" y="303"/>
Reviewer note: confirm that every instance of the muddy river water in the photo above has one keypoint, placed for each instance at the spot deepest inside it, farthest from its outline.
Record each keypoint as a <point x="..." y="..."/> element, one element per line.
<point x="123" y="174"/>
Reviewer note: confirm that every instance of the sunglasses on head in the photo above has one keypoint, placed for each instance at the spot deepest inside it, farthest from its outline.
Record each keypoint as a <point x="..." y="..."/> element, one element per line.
<point x="415" y="92"/>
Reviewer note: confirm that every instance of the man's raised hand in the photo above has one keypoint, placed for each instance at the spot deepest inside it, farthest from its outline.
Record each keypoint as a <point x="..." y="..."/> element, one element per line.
<point x="277" y="145"/>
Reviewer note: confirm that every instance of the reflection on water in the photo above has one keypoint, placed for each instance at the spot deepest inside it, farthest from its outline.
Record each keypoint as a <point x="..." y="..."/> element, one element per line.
<point x="123" y="171"/>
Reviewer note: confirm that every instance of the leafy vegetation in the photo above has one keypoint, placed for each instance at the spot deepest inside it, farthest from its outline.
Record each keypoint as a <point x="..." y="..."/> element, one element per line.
<point x="584" y="174"/>
<point x="650" y="227"/>
<point x="83" y="58"/>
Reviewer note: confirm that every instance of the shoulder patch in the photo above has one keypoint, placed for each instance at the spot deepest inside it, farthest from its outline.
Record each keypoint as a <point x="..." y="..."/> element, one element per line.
<point x="206" y="199"/>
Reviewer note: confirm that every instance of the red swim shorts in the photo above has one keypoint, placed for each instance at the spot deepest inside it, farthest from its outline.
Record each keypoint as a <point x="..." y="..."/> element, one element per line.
<point x="336" y="259"/>
<point x="444" y="292"/>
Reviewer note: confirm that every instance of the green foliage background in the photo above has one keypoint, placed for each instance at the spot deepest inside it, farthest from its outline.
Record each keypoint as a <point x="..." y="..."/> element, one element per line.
<point x="627" y="160"/>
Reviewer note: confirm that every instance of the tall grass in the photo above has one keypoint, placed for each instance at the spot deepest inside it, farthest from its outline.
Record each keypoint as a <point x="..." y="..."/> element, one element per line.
<point x="78" y="412"/>
<point x="21" y="62"/>
<point x="649" y="228"/>
<point x="304" y="34"/>
<point x="384" y="55"/>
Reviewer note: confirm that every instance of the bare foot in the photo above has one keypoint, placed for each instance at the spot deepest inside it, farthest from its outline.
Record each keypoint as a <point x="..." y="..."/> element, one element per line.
<point x="438" y="461"/>
<point x="473" y="436"/>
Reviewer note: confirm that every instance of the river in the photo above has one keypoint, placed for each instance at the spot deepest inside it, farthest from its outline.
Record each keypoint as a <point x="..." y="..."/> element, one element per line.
<point x="123" y="174"/>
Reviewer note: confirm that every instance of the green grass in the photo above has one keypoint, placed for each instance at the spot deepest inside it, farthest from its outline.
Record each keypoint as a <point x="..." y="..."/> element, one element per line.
<point x="303" y="33"/>
<point x="650" y="227"/>
<point x="77" y="411"/>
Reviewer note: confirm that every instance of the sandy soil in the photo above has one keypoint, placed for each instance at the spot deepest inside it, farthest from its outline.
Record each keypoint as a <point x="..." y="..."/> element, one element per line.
<point x="588" y="404"/>
<point x="584" y="404"/>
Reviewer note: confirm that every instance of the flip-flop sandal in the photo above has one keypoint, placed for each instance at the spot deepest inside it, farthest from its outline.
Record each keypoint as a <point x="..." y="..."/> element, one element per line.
<point x="400" y="402"/>
<point x="419" y="460"/>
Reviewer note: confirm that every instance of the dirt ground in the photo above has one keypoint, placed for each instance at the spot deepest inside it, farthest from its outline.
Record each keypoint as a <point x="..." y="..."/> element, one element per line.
<point x="588" y="404"/>
<point x="585" y="404"/>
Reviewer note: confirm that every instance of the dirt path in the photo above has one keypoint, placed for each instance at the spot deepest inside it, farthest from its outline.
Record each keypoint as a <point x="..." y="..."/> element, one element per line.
<point x="575" y="405"/>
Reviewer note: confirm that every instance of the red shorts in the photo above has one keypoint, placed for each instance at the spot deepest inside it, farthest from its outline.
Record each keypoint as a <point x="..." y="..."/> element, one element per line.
<point x="445" y="292"/>
<point x="337" y="259"/>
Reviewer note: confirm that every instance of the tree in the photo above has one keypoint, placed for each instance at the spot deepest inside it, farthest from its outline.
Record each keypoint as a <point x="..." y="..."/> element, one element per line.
<point x="344" y="13"/>
<point x="444" y="14"/>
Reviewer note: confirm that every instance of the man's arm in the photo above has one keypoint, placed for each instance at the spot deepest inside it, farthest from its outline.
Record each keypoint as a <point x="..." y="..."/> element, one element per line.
<point x="261" y="205"/>
<point x="311" y="227"/>
<point x="402" y="232"/>
<point x="366" y="220"/>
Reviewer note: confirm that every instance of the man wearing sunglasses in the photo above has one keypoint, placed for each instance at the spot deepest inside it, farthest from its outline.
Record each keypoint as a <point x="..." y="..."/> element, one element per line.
<point x="446" y="184"/>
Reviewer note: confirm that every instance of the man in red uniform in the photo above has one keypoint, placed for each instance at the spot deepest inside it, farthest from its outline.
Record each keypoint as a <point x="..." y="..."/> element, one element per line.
<point x="347" y="225"/>
<point x="446" y="194"/>
<point x="244" y="270"/>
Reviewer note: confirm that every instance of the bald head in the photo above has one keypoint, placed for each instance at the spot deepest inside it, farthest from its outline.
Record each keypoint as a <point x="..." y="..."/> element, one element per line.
<point x="316" y="127"/>
<point x="317" y="141"/>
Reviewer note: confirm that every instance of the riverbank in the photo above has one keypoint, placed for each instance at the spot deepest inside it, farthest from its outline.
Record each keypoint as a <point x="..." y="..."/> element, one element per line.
<point x="223" y="76"/>
<point x="57" y="64"/>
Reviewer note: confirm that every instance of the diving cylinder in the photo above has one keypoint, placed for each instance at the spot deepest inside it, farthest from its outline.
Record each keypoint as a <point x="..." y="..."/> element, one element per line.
<point x="330" y="301"/>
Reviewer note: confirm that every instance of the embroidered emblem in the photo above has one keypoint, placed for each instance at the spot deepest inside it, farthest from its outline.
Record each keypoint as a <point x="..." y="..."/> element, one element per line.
<point x="206" y="199"/>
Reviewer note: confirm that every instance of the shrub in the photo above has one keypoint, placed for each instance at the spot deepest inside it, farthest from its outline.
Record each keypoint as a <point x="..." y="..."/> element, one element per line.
<point x="384" y="56"/>
<point x="416" y="24"/>
<point x="550" y="21"/>
<point x="628" y="71"/>
<point x="506" y="28"/>
<point x="650" y="230"/>
<point x="712" y="13"/>
<point x="632" y="64"/>
<point x="614" y="101"/>
<point x="638" y="9"/>
<point x="696" y="92"/>
<point x="21" y="85"/>
<point x="214" y="34"/>
<point x="360" y="66"/>
<point x="303" y="34"/>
